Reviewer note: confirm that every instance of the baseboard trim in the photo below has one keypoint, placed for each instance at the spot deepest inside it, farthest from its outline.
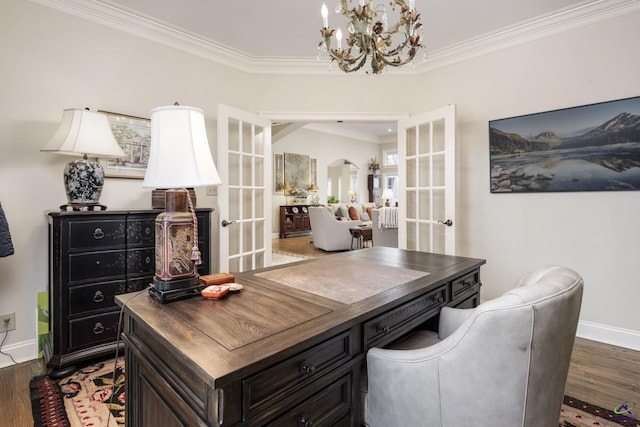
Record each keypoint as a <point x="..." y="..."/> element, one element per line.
<point x="21" y="352"/>
<point x="620" y="337"/>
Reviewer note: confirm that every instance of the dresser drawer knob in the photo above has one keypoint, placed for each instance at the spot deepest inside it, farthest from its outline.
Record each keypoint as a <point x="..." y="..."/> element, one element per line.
<point x="147" y="231"/>
<point x="98" y="233"/>
<point x="304" y="421"/>
<point x="382" y="329"/>
<point x="147" y="260"/>
<point x="98" y="296"/>
<point x="306" y="368"/>
<point x="98" y="328"/>
<point x="438" y="299"/>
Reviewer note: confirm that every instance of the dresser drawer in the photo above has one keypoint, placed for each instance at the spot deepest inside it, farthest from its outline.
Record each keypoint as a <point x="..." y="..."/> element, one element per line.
<point x="99" y="296"/>
<point x="273" y="384"/>
<point x="141" y="262"/>
<point x="97" y="234"/>
<point x="97" y="266"/>
<point x="391" y="324"/>
<point x="325" y="408"/>
<point x="464" y="283"/>
<point x="93" y="330"/>
<point x="141" y="230"/>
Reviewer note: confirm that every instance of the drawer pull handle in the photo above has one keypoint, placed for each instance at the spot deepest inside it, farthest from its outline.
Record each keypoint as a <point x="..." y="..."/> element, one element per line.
<point x="147" y="231"/>
<point x="382" y="329"/>
<point x="147" y="260"/>
<point x="438" y="299"/>
<point x="307" y="368"/>
<point x="304" y="421"/>
<point x="98" y="233"/>
<point x="98" y="296"/>
<point x="98" y="328"/>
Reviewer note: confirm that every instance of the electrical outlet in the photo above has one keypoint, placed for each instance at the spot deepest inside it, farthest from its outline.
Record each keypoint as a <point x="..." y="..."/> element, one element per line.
<point x="7" y="322"/>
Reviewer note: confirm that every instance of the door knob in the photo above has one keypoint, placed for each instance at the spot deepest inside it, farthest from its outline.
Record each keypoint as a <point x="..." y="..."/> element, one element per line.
<point x="448" y="222"/>
<point x="225" y="222"/>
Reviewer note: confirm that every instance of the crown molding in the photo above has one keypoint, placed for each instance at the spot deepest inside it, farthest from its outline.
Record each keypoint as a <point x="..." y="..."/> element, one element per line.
<point x="117" y="17"/>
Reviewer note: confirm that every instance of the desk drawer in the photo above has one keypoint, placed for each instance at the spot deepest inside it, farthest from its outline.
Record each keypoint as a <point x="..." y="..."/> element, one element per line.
<point x="322" y="409"/>
<point x="92" y="330"/>
<point x="464" y="283"/>
<point x="391" y="324"/>
<point x="263" y="390"/>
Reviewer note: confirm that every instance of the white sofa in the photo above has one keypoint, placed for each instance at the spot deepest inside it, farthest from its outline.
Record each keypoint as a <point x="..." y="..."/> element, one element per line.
<point x="329" y="234"/>
<point x="383" y="236"/>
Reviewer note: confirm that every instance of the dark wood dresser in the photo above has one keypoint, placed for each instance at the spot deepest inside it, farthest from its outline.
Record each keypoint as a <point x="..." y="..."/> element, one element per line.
<point x="294" y="220"/>
<point x="94" y="256"/>
<point x="276" y="354"/>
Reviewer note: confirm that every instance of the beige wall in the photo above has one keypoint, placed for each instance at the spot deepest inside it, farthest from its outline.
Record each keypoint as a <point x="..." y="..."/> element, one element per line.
<point x="51" y="61"/>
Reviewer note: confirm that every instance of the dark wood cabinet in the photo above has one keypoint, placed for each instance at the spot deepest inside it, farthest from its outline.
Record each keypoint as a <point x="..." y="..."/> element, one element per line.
<point x="373" y="185"/>
<point x="94" y="256"/>
<point x="273" y="355"/>
<point x="294" y="220"/>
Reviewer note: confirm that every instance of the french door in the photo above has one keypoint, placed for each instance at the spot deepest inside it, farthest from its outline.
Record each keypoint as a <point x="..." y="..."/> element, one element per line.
<point x="426" y="157"/>
<point x="244" y="197"/>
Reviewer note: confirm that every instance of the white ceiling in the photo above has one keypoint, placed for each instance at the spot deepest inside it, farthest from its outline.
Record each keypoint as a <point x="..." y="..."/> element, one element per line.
<point x="281" y="36"/>
<point x="291" y="28"/>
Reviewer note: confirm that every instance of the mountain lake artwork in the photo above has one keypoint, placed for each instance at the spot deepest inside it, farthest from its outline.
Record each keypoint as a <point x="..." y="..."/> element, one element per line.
<point x="589" y="148"/>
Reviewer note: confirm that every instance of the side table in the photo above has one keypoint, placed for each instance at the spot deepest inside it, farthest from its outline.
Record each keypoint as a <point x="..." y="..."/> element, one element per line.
<point x="361" y="235"/>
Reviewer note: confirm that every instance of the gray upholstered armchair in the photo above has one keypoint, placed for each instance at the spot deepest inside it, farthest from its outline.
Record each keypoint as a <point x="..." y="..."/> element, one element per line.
<point x="503" y="363"/>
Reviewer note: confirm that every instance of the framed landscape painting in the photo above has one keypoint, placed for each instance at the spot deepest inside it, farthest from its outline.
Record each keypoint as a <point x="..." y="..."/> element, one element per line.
<point x="593" y="147"/>
<point x="134" y="137"/>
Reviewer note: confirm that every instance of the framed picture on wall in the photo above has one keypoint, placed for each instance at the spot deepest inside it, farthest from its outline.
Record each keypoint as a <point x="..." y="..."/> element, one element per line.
<point x="593" y="147"/>
<point x="297" y="173"/>
<point x="134" y="136"/>
<point x="278" y="173"/>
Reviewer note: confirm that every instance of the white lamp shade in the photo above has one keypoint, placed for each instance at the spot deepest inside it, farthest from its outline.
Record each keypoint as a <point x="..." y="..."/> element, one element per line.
<point x="84" y="132"/>
<point x="387" y="194"/>
<point x="179" y="153"/>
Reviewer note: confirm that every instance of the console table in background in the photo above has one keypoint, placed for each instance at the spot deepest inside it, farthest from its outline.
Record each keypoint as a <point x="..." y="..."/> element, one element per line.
<point x="294" y="220"/>
<point x="289" y="349"/>
<point x="93" y="256"/>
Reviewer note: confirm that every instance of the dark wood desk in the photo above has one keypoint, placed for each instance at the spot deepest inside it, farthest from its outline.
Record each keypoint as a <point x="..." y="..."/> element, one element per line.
<point x="285" y="351"/>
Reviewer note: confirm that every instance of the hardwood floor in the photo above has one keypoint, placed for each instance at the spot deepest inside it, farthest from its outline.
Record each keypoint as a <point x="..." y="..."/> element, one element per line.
<point x="601" y="374"/>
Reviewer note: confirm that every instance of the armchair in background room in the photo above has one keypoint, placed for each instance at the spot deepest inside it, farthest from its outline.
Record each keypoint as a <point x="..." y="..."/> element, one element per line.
<point x="329" y="234"/>
<point x="503" y="363"/>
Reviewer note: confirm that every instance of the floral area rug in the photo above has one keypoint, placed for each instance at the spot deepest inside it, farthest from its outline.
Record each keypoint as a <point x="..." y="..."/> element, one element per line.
<point x="279" y="258"/>
<point x="88" y="398"/>
<point x="576" y="413"/>
<point x="91" y="397"/>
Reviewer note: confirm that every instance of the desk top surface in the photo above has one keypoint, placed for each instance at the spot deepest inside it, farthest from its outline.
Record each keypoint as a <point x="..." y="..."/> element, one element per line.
<point x="274" y="315"/>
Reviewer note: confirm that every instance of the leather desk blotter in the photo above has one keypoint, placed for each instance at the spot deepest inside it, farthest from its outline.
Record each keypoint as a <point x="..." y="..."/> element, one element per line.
<point x="343" y="280"/>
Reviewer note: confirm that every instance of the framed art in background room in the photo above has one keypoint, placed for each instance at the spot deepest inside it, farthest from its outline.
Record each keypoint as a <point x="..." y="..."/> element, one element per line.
<point x="134" y="136"/>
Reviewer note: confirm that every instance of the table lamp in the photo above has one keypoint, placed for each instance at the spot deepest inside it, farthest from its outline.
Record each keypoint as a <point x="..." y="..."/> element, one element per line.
<point x="351" y="194"/>
<point x="386" y="195"/>
<point x="315" y="199"/>
<point x="84" y="133"/>
<point x="179" y="157"/>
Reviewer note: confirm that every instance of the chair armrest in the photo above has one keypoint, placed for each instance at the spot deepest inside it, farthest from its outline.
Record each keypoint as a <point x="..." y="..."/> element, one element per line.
<point x="451" y="319"/>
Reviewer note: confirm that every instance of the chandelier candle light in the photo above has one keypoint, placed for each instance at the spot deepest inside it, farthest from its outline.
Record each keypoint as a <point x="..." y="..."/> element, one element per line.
<point x="370" y="36"/>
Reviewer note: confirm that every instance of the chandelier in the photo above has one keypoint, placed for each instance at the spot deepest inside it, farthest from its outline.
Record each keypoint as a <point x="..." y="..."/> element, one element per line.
<point x="370" y="35"/>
